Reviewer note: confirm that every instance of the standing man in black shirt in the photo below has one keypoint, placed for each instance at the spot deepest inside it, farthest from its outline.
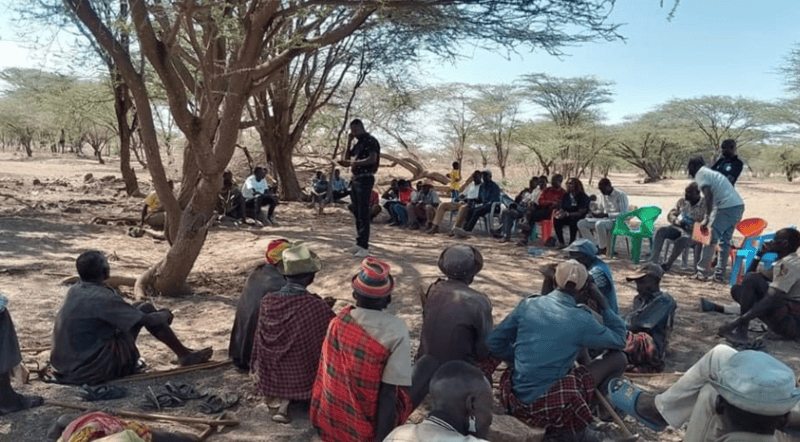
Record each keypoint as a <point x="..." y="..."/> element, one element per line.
<point x="367" y="154"/>
<point x="729" y="163"/>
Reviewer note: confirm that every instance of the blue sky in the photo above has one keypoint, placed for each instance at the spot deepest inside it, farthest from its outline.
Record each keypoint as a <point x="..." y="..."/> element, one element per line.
<point x="711" y="47"/>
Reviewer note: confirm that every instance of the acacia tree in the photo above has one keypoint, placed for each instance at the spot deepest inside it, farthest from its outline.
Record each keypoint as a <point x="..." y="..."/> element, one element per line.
<point x="496" y="109"/>
<point x="719" y="118"/>
<point x="210" y="58"/>
<point x="458" y="118"/>
<point x="567" y="101"/>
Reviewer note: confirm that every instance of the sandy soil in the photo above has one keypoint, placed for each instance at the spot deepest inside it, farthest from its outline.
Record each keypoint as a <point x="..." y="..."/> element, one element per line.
<point x="44" y="227"/>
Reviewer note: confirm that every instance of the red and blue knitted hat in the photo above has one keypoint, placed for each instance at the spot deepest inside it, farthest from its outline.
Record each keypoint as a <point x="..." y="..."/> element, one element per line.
<point x="275" y="249"/>
<point x="373" y="280"/>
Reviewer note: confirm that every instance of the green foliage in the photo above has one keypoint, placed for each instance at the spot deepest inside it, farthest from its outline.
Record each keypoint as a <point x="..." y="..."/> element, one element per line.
<point x="568" y="101"/>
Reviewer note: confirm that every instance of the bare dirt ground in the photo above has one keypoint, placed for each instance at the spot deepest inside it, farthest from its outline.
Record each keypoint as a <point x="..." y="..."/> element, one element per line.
<point x="43" y="228"/>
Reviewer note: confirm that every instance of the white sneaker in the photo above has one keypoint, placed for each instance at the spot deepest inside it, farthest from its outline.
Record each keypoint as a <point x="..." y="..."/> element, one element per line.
<point x="354" y="249"/>
<point x="361" y="253"/>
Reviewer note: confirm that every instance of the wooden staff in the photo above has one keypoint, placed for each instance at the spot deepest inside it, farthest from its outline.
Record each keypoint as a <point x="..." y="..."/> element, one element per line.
<point x="175" y="371"/>
<point x="212" y="429"/>
<point x="150" y="416"/>
<point x="618" y="420"/>
<point x="34" y="349"/>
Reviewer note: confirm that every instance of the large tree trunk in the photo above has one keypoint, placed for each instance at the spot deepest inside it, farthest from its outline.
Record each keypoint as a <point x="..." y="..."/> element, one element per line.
<point x="168" y="277"/>
<point x="281" y="155"/>
<point x="122" y="104"/>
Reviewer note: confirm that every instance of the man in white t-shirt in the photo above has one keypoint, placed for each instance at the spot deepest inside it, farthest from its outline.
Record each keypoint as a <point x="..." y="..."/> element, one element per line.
<point x="724" y="209"/>
<point x="257" y="194"/>
<point x="613" y="202"/>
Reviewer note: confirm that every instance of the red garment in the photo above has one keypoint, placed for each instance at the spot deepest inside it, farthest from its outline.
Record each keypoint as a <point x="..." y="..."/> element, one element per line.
<point x="97" y="425"/>
<point x="287" y="344"/>
<point x="551" y="197"/>
<point x="405" y="195"/>
<point x="564" y="408"/>
<point x="344" y="404"/>
<point x="642" y="354"/>
<point x="374" y="198"/>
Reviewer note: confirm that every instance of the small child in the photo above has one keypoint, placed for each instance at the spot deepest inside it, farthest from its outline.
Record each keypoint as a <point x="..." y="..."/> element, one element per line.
<point x="455" y="179"/>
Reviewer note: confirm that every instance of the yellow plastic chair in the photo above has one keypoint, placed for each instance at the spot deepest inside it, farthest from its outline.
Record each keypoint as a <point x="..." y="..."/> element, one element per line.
<point x="647" y="216"/>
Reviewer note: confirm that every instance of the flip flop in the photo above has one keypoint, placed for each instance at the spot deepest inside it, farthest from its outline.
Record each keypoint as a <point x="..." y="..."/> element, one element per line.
<point x="623" y="395"/>
<point x="282" y="414"/>
<point x="154" y="401"/>
<point x="103" y="393"/>
<point x="217" y="402"/>
<point x="183" y="391"/>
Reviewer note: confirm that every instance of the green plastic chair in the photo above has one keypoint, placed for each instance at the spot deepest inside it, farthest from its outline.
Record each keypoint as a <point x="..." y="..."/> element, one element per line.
<point x="647" y="216"/>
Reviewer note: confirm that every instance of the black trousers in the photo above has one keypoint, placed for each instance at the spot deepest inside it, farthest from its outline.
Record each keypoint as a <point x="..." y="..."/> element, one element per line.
<point x="360" y="195"/>
<point x="572" y="222"/>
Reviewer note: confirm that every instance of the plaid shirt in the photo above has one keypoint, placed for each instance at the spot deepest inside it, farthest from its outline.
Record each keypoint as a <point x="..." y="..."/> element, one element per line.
<point x="344" y="404"/>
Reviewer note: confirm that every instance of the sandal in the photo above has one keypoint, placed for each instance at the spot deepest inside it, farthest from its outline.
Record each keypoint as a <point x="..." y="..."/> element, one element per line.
<point x="183" y="391"/>
<point x="282" y="414"/>
<point x="624" y="395"/>
<point x="756" y="344"/>
<point x="217" y="402"/>
<point x="103" y="393"/>
<point x="154" y="401"/>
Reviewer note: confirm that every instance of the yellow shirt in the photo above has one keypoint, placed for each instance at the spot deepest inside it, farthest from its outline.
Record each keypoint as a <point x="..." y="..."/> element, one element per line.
<point x="153" y="203"/>
<point x="455" y="178"/>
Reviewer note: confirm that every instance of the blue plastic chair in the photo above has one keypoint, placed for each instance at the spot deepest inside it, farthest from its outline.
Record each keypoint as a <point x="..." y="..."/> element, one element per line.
<point x="745" y="255"/>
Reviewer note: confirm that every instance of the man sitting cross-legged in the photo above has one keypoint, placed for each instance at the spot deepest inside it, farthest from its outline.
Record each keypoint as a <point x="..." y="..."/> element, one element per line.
<point x="613" y="203"/>
<point x="771" y="295"/>
<point x="361" y="391"/>
<point x="725" y="396"/>
<point x="543" y="338"/>
<point x="263" y="280"/>
<point x="456" y="319"/>
<point x="94" y="338"/>
<point x="461" y="402"/>
<point x="649" y="322"/>
<point x="689" y="210"/>
<point x="488" y="195"/>
<point x="10" y="359"/>
<point x="291" y="328"/>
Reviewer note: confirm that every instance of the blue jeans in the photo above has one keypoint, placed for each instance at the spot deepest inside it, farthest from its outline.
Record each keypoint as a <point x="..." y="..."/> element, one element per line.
<point x="723" y="222"/>
<point x="453" y="195"/>
<point x="401" y="213"/>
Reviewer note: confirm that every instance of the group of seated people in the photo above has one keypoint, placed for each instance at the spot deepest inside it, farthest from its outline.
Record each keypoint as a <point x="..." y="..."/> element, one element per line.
<point x="320" y="186"/>
<point x="247" y="200"/>
<point x="561" y="347"/>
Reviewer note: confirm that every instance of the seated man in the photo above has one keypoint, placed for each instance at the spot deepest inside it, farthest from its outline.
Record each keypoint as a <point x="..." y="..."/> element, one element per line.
<point x="263" y="280"/>
<point x="10" y="359"/>
<point x="257" y="194"/>
<point x="397" y="207"/>
<point x="649" y="322"/>
<point x="613" y="202"/>
<point x="689" y="210"/>
<point x="319" y="189"/>
<point x="542" y="338"/>
<point x="339" y="185"/>
<point x="455" y="318"/>
<point x="771" y="295"/>
<point x="361" y="391"/>
<point x="153" y="213"/>
<point x="549" y="201"/>
<point x="487" y="196"/>
<point x="725" y="396"/>
<point x="461" y="408"/>
<point x="585" y="253"/>
<point x="291" y="328"/>
<point x="527" y="198"/>
<point x="231" y="201"/>
<point x="466" y="201"/>
<point x="423" y="206"/>
<point x="94" y="338"/>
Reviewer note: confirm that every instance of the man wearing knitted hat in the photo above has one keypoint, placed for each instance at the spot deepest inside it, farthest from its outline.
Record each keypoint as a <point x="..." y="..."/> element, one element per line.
<point x="725" y="396"/>
<point x="291" y="327"/>
<point x="264" y="279"/>
<point x="541" y="340"/>
<point x="361" y="391"/>
<point x="456" y="318"/>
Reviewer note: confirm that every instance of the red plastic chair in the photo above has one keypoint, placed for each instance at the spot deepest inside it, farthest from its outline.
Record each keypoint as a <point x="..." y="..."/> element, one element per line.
<point x="547" y="228"/>
<point x="749" y="228"/>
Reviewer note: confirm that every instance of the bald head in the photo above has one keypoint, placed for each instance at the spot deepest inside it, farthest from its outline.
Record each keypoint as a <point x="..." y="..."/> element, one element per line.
<point x="460" y="391"/>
